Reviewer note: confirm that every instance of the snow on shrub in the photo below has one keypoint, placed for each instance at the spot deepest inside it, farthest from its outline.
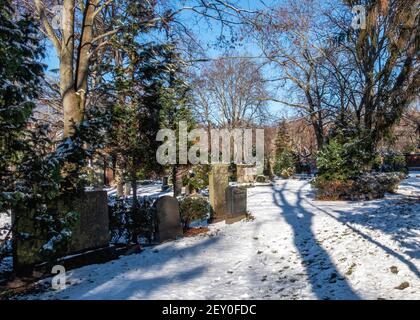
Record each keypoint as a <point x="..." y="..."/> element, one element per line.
<point x="390" y="162"/>
<point x="128" y="225"/>
<point x="367" y="186"/>
<point x="192" y="209"/>
<point x="5" y="237"/>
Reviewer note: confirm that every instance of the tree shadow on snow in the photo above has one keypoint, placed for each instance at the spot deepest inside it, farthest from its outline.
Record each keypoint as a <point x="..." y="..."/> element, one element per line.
<point x="401" y="227"/>
<point x="126" y="278"/>
<point x="325" y="279"/>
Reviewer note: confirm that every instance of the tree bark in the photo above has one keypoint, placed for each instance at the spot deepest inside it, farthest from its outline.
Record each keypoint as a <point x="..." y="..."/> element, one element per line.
<point x="68" y="93"/>
<point x="177" y="180"/>
<point x="119" y="177"/>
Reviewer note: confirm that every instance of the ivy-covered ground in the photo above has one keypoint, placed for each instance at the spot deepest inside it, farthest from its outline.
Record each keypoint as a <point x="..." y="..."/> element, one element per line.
<point x="295" y="248"/>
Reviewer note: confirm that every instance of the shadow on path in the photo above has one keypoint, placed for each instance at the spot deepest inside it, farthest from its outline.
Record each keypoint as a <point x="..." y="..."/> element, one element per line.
<point x="347" y="219"/>
<point x="326" y="281"/>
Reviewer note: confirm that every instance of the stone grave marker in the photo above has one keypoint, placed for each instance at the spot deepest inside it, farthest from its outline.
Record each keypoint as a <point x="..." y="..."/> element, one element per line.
<point x="165" y="183"/>
<point x="218" y="183"/>
<point x="168" y="219"/>
<point x="90" y="232"/>
<point x="127" y="189"/>
<point x="236" y="199"/>
<point x="245" y="173"/>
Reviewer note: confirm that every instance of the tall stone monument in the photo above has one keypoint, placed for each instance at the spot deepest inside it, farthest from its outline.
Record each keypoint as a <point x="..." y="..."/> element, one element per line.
<point x="218" y="183"/>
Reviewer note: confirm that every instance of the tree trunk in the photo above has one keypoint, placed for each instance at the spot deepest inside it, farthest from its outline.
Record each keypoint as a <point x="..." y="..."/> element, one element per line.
<point x="119" y="177"/>
<point x="135" y="199"/>
<point x="318" y="129"/>
<point x="83" y="54"/>
<point x="68" y="94"/>
<point x="177" y="180"/>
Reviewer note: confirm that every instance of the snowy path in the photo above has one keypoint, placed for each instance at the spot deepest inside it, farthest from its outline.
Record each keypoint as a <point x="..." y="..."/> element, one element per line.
<point x="296" y="248"/>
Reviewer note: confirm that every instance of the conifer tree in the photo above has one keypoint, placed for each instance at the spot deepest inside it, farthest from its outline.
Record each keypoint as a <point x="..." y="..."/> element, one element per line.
<point x="20" y="78"/>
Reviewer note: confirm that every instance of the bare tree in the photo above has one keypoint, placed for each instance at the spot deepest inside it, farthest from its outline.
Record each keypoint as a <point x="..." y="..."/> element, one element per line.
<point x="231" y="93"/>
<point x="289" y="38"/>
<point x="89" y="25"/>
<point x="384" y="55"/>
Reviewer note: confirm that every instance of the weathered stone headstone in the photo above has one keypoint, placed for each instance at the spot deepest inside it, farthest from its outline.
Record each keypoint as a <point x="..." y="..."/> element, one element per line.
<point x="127" y="189"/>
<point x="92" y="229"/>
<point x="218" y="183"/>
<point x="168" y="218"/>
<point x="245" y="173"/>
<point x="236" y="201"/>
<point x="90" y="232"/>
<point x="165" y="183"/>
<point x="98" y="174"/>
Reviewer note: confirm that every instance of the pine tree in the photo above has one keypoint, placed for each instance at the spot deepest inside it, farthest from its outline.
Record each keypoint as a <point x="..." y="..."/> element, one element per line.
<point x="285" y="163"/>
<point x="20" y="80"/>
<point x="176" y="105"/>
<point x="33" y="184"/>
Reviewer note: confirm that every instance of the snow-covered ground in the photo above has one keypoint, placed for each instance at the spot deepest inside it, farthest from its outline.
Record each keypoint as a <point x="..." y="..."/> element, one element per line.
<point x="296" y="248"/>
<point x="148" y="190"/>
<point x="5" y="220"/>
<point x="5" y="223"/>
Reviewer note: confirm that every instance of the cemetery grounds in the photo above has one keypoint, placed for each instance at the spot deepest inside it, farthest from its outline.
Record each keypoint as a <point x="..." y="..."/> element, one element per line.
<point x="293" y="247"/>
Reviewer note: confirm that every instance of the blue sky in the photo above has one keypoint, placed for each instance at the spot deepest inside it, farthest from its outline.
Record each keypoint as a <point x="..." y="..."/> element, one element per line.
<point x="208" y="35"/>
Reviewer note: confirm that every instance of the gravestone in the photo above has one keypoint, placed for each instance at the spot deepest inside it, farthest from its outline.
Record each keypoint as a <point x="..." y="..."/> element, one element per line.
<point x="245" y="173"/>
<point x="168" y="219"/>
<point x="90" y="232"/>
<point x="98" y="174"/>
<point x="165" y="183"/>
<point x="92" y="229"/>
<point x="127" y="189"/>
<point x="218" y="183"/>
<point x="236" y="201"/>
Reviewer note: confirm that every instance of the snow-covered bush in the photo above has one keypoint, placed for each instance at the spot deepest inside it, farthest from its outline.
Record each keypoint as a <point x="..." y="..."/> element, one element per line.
<point x="284" y="165"/>
<point x="198" y="178"/>
<point x="332" y="189"/>
<point x="5" y="230"/>
<point x="192" y="209"/>
<point x="390" y="162"/>
<point x="367" y="186"/>
<point x="375" y="185"/>
<point x="128" y="225"/>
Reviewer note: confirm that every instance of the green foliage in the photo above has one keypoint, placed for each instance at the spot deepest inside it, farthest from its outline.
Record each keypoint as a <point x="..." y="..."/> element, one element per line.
<point x="193" y="209"/>
<point x="344" y="157"/>
<point x="367" y="186"/>
<point x="344" y="167"/>
<point x="197" y="178"/>
<point x="390" y="162"/>
<point x="333" y="163"/>
<point x="128" y="225"/>
<point x="284" y="165"/>
<point x="20" y="77"/>
<point x="38" y="179"/>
